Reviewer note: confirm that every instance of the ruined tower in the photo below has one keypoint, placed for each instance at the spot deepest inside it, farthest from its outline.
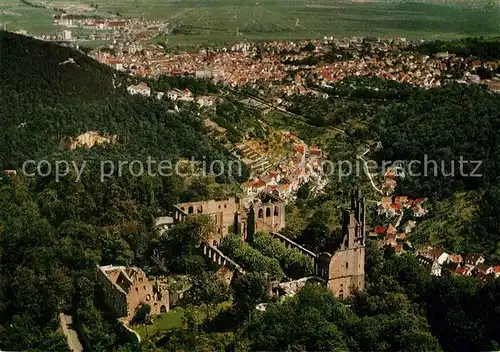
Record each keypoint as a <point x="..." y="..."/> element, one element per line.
<point x="250" y="225"/>
<point x="346" y="270"/>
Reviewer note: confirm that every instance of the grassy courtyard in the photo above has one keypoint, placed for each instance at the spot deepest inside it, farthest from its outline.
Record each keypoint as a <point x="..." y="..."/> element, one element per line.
<point x="174" y="319"/>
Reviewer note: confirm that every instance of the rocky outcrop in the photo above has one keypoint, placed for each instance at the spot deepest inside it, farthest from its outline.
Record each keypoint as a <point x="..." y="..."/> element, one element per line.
<point x="88" y="140"/>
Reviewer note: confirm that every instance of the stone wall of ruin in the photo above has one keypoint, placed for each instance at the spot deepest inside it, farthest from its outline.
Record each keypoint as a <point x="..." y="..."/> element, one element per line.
<point x="347" y="269"/>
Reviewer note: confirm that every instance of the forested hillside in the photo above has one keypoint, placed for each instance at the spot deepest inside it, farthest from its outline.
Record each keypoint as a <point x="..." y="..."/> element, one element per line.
<point x="443" y="126"/>
<point x="52" y="234"/>
<point x="49" y="92"/>
<point x="438" y="128"/>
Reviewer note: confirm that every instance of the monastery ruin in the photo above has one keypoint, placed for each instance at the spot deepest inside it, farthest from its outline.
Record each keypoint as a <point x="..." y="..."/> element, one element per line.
<point x="243" y="216"/>
<point x="127" y="288"/>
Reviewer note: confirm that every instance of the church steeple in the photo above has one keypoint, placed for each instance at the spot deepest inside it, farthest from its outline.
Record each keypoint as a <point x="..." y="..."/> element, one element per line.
<point x="353" y="222"/>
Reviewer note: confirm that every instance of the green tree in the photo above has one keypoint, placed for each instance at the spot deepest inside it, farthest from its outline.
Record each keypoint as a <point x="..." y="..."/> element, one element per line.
<point x="207" y="290"/>
<point x="141" y="315"/>
<point x="248" y="291"/>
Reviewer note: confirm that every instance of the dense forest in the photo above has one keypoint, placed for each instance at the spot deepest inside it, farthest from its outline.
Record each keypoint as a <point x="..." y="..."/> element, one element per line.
<point x="53" y="234"/>
<point x="403" y="308"/>
<point x="481" y="48"/>
<point x="50" y="92"/>
<point x="436" y="129"/>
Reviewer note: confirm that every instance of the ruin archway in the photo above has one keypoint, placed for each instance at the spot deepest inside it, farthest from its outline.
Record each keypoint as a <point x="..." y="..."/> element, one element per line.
<point x="215" y="244"/>
<point x="200" y="209"/>
<point x="268" y="212"/>
<point x="261" y="213"/>
<point x="191" y="210"/>
<point x="163" y="309"/>
<point x="276" y="211"/>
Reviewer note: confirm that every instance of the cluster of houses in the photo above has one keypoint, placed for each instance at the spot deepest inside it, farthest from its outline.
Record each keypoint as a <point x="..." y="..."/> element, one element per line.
<point x="173" y="95"/>
<point x="284" y="178"/>
<point x="280" y="68"/>
<point x="415" y="69"/>
<point x="442" y="263"/>
<point x="390" y="236"/>
<point x="392" y="206"/>
<point x="395" y="206"/>
<point x="436" y="259"/>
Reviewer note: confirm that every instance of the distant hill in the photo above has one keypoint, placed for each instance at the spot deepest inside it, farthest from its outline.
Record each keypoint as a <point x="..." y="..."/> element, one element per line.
<point x="49" y="92"/>
<point x="51" y="69"/>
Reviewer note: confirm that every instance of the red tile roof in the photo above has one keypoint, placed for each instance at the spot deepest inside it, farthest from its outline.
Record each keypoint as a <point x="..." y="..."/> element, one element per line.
<point x="299" y="148"/>
<point x="257" y="184"/>
<point x="391" y="229"/>
<point x="456" y="258"/>
<point x="390" y="236"/>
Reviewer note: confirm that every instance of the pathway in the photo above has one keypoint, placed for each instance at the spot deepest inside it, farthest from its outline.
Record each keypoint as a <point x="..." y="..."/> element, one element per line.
<point x="367" y="171"/>
<point x="71" y="335"/>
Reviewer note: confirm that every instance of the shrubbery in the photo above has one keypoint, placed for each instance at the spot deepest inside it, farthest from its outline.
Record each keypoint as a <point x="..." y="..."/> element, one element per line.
<point x="250" y="258"/>
<point x="293" y="263"/>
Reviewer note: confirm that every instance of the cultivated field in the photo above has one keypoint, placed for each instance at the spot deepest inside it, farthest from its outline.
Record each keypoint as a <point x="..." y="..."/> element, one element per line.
<point x="15" y="15"/>
<point x="222" y="20"/>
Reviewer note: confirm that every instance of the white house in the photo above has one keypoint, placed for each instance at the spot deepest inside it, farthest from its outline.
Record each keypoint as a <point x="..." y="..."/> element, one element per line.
<point x="177" y="94"/>
<point x="205" y="101"/>
<point x="185" y="95"/>
<point x="66" y="35"/>
<point x="141" y="88"/>
<point x="163" y="223"/>
<point x="436" y="269"/>
<point x="173" y="94"/>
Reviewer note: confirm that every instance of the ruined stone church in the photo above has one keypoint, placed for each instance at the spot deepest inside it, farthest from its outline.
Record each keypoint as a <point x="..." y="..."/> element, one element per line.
<point x="241" y="215"/>
<point x="341" y="269"/>
<point x="344" y="270"/>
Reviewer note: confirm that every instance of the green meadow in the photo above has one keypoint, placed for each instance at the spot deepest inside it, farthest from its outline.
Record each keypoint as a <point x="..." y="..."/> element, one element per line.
<point x="15" y="15"/>
<point x="219" y="21"/>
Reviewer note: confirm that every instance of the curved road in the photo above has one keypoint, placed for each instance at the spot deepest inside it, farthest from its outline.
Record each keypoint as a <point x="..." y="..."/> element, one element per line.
<point x="367" y="171"/>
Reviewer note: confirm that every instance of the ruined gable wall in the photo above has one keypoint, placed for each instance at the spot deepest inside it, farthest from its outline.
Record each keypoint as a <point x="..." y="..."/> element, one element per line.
<point x="346" y="269"/>
<point x="222" y="213"/>
<point x="142" y="292"/>
<point x="270" y="217"/>
<point x="114" y="297"/>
